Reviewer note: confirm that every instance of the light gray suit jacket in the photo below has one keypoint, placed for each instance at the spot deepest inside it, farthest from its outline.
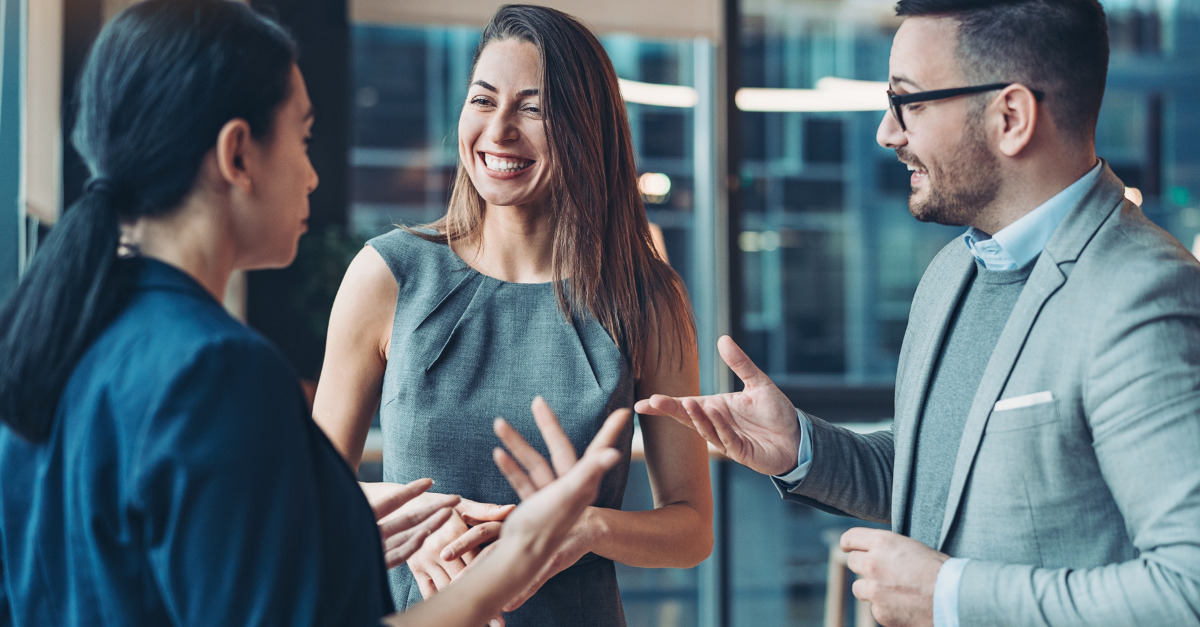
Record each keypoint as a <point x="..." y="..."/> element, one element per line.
<point x="1084" y="510"/>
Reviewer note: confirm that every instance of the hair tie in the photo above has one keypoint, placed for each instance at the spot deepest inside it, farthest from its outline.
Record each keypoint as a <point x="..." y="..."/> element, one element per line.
<point x="101" y="185"/>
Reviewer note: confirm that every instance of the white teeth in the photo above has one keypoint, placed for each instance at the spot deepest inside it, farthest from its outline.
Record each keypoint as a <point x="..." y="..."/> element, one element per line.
<point x="504" y="165"/>
<point x="912" y="168"/>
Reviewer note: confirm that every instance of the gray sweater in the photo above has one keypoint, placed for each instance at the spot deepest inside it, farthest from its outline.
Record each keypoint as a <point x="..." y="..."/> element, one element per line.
<point x="978" y="320"/>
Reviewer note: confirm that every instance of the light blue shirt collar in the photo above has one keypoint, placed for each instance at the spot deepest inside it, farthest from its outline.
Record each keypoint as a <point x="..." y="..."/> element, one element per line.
<point x="1022" y="241"/>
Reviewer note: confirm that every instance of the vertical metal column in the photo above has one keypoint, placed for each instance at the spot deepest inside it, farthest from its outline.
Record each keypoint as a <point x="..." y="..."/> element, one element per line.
<point x="709" y="266"/>
<point x="710" y="298"/>
<point x="12" y="222"/>
<point x="436" y="128"/>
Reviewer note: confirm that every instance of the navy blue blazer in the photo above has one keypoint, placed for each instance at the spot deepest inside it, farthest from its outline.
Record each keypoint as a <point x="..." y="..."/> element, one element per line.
<point x="184" y="483"/>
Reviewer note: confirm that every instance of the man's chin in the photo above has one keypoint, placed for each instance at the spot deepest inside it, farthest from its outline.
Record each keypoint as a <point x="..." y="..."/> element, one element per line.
<point x="925" y="211"/>
<point x="918" y="205"/>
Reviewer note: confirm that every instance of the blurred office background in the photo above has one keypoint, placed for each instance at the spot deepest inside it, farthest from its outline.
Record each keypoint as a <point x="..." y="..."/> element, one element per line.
<point x="785" y="219"/>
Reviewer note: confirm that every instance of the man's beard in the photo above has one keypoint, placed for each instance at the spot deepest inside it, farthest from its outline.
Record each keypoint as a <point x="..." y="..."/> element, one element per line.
<point x="967" y="184"/>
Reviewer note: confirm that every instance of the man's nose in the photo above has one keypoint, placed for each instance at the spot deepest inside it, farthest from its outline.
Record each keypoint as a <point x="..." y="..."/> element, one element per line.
<point x="889" y="134"/>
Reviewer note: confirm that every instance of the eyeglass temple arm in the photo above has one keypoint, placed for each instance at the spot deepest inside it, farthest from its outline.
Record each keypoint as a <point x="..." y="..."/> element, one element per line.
<point x="939" y="94"/>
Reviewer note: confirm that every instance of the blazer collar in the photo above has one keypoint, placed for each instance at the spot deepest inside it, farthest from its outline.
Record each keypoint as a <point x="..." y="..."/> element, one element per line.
<point x="1081" y="224"/>
<point x="155" y="275"/>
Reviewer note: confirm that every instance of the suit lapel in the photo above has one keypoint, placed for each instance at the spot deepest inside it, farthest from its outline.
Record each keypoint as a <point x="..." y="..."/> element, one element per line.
<point x="1043" y="282"/>
<point x="1065" y="246"/>
<point x="947" y="277"/>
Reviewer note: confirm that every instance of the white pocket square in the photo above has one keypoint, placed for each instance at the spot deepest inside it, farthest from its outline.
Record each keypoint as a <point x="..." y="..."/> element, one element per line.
<point x="1028" y="400"/>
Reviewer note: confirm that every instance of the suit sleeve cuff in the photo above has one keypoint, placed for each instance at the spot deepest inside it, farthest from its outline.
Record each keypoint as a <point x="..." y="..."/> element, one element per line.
<point x="804" y="456"/>
<point x="945" y="592"/>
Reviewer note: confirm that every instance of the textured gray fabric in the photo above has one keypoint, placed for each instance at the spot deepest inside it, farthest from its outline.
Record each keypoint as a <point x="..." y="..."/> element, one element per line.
<point x="1080" y="511"/>
<point x="467" y="348"/>
<point x="978" y="320"/>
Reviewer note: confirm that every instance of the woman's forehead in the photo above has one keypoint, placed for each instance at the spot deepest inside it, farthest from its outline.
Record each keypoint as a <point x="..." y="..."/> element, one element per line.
<point x="510" y="65"/>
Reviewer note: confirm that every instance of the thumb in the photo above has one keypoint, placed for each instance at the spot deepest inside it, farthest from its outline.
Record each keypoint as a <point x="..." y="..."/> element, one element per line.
<point x="740" y="364"/>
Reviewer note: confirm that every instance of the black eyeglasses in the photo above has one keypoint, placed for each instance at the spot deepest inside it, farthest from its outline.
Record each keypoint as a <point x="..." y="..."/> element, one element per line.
<point x="941" y="94"/>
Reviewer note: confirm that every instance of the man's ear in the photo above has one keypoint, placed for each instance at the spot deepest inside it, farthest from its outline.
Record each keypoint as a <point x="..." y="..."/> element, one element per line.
<point x="233" y="146"/>
<point x="1018" y="109"/>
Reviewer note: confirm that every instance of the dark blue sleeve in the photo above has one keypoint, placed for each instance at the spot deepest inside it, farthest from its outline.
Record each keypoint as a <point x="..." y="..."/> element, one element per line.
<point x="225" y="484"/>
<point x="5" y="612"/>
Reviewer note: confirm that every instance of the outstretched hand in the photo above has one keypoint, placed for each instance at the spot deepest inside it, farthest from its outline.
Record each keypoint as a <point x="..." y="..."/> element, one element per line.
<point x="564" y="538"/>
<point x="756" y="427"/>
<point x="406" y="515"/>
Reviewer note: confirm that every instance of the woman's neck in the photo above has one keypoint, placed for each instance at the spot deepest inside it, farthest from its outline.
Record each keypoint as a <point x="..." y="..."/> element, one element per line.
<point x="193" y="238"/>
<point x="516" y="244"/>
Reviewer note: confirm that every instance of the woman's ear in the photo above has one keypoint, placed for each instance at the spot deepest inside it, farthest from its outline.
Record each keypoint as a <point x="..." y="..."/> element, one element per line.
<point x="233" y="146"/>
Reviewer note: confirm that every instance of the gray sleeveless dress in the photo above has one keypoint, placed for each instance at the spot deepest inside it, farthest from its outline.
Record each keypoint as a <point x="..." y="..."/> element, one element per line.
<point x="467" y="348"/>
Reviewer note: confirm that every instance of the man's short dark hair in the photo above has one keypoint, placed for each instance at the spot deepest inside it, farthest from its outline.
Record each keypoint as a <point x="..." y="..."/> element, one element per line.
<point x="1057" y="46"/>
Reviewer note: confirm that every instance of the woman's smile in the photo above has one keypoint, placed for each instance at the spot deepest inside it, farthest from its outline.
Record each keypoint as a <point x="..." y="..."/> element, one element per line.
<point x="504" y="166"/>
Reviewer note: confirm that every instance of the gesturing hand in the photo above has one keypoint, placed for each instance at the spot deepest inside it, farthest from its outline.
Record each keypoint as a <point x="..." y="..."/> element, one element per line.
<point x="406" y="515"/>
<point x="431" y="572"/>
<point x="897" y="575"/>
<point x="484" y="520"/>
<point x="537" y="474"/>
<point x="545" y="534"/>
<point x="756" y="427"/>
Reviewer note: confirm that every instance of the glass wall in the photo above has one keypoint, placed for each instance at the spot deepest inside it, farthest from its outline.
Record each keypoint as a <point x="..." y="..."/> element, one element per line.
<point x="831" y="258"/>
<point x="830" y="255"/>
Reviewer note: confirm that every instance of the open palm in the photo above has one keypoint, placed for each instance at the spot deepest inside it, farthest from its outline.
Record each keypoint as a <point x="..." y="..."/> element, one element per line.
<point x="756" y="427"/>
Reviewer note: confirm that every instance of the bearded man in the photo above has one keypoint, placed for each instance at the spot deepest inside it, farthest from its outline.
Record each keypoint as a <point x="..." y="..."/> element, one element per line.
<point x="1043" y="467"/>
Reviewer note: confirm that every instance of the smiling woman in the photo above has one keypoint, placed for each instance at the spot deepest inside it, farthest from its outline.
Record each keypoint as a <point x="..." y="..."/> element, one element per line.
<point x="541" y="280"/>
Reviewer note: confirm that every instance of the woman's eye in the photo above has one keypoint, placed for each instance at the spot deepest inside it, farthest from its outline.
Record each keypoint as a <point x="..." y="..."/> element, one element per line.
<point x="480" y="100"/>
<point x="532" y="109"/>
<point x="912" y="107"/>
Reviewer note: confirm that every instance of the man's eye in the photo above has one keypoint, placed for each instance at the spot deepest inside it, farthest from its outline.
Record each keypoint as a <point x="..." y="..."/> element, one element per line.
<point x="912" y="107"/>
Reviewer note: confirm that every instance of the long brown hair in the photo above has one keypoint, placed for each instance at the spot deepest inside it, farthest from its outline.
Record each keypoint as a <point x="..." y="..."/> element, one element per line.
<point x="602" y="240"/>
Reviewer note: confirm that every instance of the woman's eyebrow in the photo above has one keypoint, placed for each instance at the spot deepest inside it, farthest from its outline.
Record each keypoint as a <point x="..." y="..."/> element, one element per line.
<point x="531" y="91"/>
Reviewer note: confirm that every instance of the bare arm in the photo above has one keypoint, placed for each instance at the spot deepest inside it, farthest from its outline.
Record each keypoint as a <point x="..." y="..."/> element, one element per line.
<point x="360" y="328"/>
<point x="677" y="533"/>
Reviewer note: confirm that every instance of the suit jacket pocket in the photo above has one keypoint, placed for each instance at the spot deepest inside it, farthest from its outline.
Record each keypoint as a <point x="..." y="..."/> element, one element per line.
<point x="1023" y="418"/>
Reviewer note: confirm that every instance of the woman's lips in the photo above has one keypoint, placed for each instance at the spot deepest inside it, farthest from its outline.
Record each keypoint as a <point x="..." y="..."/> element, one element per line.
<point x="504" y="167"/>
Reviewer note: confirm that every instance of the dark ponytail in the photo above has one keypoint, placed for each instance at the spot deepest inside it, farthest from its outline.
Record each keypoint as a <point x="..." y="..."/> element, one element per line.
<point x="161" y="81"/>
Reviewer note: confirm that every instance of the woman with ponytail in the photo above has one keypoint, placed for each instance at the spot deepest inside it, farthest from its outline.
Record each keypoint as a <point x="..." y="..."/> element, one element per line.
<point x="159" y="465"/>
